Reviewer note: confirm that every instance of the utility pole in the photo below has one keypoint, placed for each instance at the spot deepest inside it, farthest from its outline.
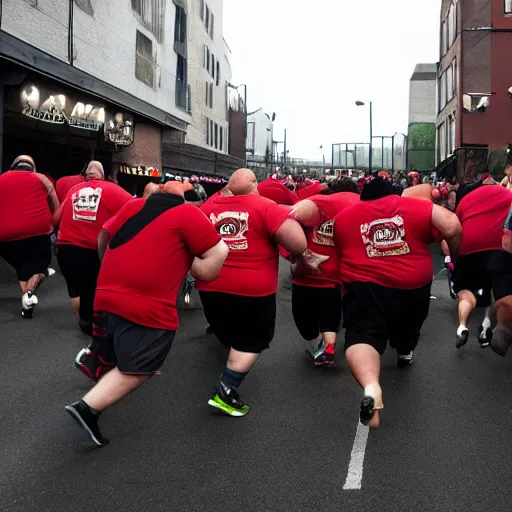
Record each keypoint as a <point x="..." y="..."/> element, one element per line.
<point x="284" y="151"/>
<point x="370" y="159"/>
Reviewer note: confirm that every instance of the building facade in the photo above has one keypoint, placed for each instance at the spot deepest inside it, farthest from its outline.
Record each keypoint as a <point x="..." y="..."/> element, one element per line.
<point x="474" y="81"/>
<point x="206" y="146"/>
<point x="421" y="147"/>
<point x="83" y="79"/>
<point x="260" y="136"/>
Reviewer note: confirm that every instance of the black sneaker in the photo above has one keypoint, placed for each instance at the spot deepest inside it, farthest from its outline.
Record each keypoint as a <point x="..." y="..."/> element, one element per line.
<point x="27" y="313"/>
<point x="88" y="421"/>
<point x="484" y="336"/>
<point x="462" y="338"/>
<point x="366" y="410"/>
<point x="92" y="365"/>
<point x="229" y="402"/>
<point x="405" y="360"/>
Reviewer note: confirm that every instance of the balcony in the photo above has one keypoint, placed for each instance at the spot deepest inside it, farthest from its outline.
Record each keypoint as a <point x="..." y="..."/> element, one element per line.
<point x="183" y="96"/>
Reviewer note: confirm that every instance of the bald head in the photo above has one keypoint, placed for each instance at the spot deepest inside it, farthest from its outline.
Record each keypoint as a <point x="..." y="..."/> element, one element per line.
<point x="23" y="163"/>
<point x="94" y="171"/>
<point x="243" y="181"/>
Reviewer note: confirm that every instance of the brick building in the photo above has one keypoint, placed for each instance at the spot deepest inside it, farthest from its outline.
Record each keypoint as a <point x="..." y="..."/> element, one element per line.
<point x="474" y="78"/>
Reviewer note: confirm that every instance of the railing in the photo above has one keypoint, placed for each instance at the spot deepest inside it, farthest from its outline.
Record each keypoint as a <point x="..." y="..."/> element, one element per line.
<point x="183" y="96"/>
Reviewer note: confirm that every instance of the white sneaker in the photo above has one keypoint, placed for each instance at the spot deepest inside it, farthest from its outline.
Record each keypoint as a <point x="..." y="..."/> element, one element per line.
<point x="29" y="300"/>
<point x="51" y="272"/>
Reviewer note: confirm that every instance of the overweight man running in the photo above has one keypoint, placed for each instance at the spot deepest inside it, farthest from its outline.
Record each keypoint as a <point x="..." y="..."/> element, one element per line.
<point x="141" y="306"/>
<point x="240" y="305"/>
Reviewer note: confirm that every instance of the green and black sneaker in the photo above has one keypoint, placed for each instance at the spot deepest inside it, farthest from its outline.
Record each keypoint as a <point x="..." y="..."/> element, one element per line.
<point x="229" y="402"/>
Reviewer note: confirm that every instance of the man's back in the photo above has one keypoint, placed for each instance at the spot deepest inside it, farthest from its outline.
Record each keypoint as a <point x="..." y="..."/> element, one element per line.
<point x="385" y="242"/>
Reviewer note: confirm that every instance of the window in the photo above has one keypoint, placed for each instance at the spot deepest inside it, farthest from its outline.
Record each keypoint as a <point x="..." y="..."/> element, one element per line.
<point x="206" y="60"/>
<point x="449" y="83"/>
<point x="216" y="135"/>
<point x="451" y="135"/>
<point x="217" y="73"/>
<point x="443" y="38"/>
<point x="208" y="97"/>
<point x="144" y="64"/>
<point x="181" y="69"/>
<point x="211" y="25"/>
<point x="221" y="138"/>
<point x="455" y="78"/>
<point x="508" y="6"/>
<point x="201" y="10"/>
<point x="441" y="142"/>
<point x="180" y="26"/>
<point x="450" y="28"/>
<point x="207" y="18"/>
<point x="212" y="70"/>
<point x="152" y="15"/>
<point x="207" y="131"/>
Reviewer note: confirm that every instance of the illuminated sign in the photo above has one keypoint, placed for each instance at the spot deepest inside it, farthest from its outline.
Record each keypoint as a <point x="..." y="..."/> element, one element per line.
<point x="53" y="110"/>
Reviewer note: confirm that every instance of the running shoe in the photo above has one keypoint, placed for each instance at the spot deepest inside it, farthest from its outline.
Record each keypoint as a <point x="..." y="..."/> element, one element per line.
<point x="28" y="302"/>
<point x="92" y="366"/>
<point x="50" y="272"/>
<point x="462" y="338"/>
<point x="370" y="403"/>
<point x="324" y="355"/>
<point x="88" y="421"/>
<point x="484" y="336"/>
<point x="405" y="360"/>
<point x="229" y="402"/>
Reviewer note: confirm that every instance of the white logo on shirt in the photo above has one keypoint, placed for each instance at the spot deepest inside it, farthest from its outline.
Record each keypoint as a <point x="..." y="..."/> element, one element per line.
<point x="232" y="226"/>
<point x="324" y="234"/>
<point x="86" y="202"/>
<point x="385" y="237"/>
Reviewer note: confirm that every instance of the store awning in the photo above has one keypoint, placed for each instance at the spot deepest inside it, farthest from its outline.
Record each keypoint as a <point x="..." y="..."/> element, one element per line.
<point x="150" y="172"/>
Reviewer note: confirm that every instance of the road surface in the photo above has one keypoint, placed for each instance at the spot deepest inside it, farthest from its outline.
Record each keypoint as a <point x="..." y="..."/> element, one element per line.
<point x="444" y="444"/>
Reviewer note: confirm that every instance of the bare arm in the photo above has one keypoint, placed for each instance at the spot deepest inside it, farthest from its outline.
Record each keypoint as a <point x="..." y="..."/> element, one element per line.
<point x="291" y="236"/>
<point x="448" y="224"/>
<point x="207" y="266"/>
<point x="307" y="213"/>
<point x="53" y="200"/>
<point x="103" y="240"/>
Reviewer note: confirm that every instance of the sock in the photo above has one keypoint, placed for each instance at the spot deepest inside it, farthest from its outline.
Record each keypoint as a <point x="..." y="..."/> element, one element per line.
<point x="486" y="323"/>
<point x="461" y="329"/>
<point x="231" y="380"/>
<point x="94" y="411"/>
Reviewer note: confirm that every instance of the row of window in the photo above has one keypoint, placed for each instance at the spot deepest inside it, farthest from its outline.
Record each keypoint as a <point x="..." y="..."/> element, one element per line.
<point x="449" y="28"/>
<point x="209" y="95"/>
<point x="448" y="85"/>
<point x="211" y="64"/>
<point x="446" y="138"/>
<point x="206" y="17"/>
<point x="216" y="135"/>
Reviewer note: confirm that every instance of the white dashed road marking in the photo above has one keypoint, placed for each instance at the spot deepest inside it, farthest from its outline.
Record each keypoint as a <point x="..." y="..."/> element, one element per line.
<point x="355" y="467"/>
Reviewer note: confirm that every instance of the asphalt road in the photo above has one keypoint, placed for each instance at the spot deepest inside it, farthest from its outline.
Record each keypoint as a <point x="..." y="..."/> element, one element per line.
<point x="444" y="443"/>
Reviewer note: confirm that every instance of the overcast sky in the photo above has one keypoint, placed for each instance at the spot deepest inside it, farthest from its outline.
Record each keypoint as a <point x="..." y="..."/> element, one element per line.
<point x="309" y="61"/>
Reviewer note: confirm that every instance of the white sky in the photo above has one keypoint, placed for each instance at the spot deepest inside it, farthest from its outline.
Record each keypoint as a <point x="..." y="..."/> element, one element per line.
<point x="309" y="61"/>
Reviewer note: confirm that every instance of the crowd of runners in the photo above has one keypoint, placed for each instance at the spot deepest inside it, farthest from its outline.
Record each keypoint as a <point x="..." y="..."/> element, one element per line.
<point x="358" y="251"/>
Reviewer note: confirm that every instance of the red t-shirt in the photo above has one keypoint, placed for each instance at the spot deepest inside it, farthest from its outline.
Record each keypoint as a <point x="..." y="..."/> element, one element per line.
<point x="247" y="224"/>
<point x="320" y="239"/>
<point x="385" y="242"/>
<point x="65" y="184"/>
<point x="24" y="207"/>
<point x="277" y="192"/>
<point x="140" y="279"/>
<point x="86" y="208"/>
<point x="310" y="190"/>
<point x="481" y="214"/>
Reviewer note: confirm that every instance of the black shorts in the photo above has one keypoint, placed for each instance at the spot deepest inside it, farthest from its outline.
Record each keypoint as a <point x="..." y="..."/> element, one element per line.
<point x="28" y="256"/>
<point x="136" y="349"/>
<point x="486" y="271"/>
<point x="245" y="323"/>
<point x="80" y="268"/>
<point x="316" y="310"/>
<point x="374" y="314"/>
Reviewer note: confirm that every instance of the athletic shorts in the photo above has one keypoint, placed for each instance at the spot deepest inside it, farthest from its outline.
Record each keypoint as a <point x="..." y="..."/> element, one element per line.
<point x="28" y="256"/>
<point x="316" y="310"/>
<point x="486" y="271"/>
<point x="246" y="324"/>
<point x="136" y="349"/>
<point x="80" y="268"/>
<point x="374" y="315"/>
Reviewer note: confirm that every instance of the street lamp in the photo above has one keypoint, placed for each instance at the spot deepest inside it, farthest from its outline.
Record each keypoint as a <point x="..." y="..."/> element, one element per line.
<point x="370" y="158"/>
<point x="323" y="156"/>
